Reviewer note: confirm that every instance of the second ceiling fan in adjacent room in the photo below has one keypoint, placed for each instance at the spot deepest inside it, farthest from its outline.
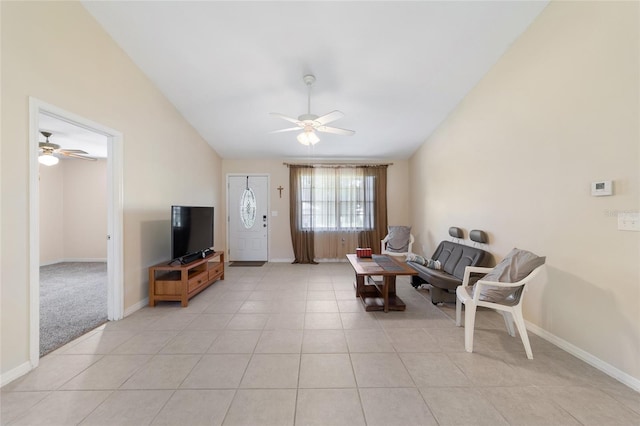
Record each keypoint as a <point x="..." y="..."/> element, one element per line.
<point x="49" y="152"/>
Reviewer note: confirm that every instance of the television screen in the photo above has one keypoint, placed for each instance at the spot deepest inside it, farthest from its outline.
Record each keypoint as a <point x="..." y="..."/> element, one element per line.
<point x="191" y="230"/>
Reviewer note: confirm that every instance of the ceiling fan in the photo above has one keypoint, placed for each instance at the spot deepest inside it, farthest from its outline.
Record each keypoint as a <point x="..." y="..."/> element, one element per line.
<point x="309" y="123"/>
<point x="49" y="152"/>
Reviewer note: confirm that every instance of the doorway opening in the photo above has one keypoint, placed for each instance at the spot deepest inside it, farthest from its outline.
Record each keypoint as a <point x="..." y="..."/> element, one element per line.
<point x="73" y="225"/>
<point x="46" y="117"/>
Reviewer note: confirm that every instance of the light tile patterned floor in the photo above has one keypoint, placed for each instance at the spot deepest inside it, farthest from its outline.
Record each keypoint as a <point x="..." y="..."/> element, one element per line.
<point x="289" y="344"/>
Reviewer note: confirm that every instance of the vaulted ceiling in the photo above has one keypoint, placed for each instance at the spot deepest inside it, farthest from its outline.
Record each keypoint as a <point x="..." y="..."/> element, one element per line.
<point x="395" y="69"/>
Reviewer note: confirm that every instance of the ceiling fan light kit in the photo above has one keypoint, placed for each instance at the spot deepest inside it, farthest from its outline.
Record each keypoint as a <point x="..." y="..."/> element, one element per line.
<point x="310" y="123"/>
<point x="48" y="159"/>
<point x="308" y="137"/>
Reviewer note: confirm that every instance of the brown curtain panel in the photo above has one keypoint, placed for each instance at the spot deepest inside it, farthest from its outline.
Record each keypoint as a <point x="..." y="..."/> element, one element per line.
<point x="376" y="193"/>
<point x="302" y="239"/>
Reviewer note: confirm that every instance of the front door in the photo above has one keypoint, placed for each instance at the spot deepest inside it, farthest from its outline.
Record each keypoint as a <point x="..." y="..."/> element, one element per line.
<point x="247" y="217"/>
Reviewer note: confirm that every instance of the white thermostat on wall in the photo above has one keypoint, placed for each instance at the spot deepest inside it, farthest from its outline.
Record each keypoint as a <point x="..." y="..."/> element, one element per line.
<point x="601" y="188"/>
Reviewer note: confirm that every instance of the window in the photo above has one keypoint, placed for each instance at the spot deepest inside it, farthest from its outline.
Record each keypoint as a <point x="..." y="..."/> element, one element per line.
<point x="336" y="208"/>
<point x="337" y="199"/>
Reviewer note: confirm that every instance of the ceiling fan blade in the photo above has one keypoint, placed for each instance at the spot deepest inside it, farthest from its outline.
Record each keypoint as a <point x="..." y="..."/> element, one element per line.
<point x="72" y="155"/>
<point x="335" y="130"/>
<point x="328" y="118"/>
<point x="285" y="117"/>
<point x="290" y="129"/>
<point x="73" y="151"/>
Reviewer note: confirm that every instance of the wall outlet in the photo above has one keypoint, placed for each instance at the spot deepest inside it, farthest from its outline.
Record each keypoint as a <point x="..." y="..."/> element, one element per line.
<point x="629" y="221"/>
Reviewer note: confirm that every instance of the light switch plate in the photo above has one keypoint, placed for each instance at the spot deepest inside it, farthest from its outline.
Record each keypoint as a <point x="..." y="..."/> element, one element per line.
<point x="629" y="221"/>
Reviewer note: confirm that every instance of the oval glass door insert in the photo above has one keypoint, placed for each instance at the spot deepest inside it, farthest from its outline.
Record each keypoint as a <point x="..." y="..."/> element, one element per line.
<point x="248" y="208"/>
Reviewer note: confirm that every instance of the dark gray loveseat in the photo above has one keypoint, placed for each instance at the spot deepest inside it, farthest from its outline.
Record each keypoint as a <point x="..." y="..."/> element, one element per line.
<point x="454" y="258"/>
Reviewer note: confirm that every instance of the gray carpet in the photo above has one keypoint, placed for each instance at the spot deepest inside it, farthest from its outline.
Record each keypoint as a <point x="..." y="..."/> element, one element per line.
<point x="73" y="301"/>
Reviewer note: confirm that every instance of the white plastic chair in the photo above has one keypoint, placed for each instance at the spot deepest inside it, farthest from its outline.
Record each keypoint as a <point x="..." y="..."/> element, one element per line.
<point x="511" y="308"/>
<point x="383" y="247"/>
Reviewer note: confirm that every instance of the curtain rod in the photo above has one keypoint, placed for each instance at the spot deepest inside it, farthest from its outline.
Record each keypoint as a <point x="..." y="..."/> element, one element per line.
<point x="332" y="165"/>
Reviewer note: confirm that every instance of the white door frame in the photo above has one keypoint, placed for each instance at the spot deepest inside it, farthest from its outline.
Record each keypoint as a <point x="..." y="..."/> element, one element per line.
<point x="268" y="176"/>
<point x="115" y="285"/>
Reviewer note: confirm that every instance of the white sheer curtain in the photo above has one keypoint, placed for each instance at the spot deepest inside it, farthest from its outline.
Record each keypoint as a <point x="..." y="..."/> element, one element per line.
<point x="338" y="210"/>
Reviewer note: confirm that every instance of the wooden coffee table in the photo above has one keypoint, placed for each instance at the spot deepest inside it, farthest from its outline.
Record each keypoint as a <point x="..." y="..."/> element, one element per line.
<point x="379" y="295"/>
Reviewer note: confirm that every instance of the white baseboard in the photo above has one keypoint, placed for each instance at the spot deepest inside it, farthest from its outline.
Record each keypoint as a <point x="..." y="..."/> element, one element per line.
<point x="52" y="262"/>
<point x="585" y="356"/>
<point x="73" y="259"/>
<point x="281" y="260"/>
<point x="13" y="374"/>
<point x="141" y="304"/>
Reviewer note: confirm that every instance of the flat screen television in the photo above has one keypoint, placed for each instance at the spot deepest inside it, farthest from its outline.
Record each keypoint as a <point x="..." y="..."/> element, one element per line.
<point x="191" y="230"/>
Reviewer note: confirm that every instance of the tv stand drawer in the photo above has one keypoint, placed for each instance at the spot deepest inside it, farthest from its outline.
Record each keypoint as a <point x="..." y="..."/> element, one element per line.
<point x="216" y="270"/>
<point x="198" y="281"/>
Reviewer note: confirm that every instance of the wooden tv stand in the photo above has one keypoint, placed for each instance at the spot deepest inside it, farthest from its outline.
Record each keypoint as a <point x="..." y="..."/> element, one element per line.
<point x="181" y="282"/>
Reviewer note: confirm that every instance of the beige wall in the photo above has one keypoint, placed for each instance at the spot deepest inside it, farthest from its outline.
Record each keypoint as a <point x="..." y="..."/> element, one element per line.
<point x="85" y="209"/>
<point x="517" y="157"/>
<point x="73" y="211"/>
<point x="51" y="214"/>
<point x="279" y="232"/>
<point x="56" y="52"/>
